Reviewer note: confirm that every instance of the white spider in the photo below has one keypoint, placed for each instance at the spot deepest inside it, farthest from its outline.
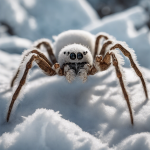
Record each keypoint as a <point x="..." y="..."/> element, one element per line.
<point x="77" y="53"/>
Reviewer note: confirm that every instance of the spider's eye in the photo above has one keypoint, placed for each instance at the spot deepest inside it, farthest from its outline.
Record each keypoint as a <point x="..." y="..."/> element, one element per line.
<point x="79" y="56"/>
<point x="72" y="56"/>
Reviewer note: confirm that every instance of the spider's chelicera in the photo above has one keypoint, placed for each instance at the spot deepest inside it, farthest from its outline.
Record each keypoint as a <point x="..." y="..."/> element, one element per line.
<point x="77" y="53"/>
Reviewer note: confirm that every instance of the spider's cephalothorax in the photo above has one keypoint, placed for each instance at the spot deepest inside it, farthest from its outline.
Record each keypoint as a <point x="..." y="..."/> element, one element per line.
<point x="77" y="53"/>
<point x="76" y="60"/>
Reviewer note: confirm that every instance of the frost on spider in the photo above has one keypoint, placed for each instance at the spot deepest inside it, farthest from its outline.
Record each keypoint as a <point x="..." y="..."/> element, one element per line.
<point x="120" y="63"/>
<point x="83" y="73"/>
<point x="106" y="34"/>
<point x="26" y="56"/>
<point x="134" y="58"/>
<point x="132" y="52"/>
<point x="70" y="74"/>
<point x="74" y="36"/>
<point x="64" y="55"/>
<point x="103" y="40"/>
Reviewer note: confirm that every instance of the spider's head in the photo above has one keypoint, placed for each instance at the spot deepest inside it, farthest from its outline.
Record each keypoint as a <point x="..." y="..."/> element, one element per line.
<point x="75" y="57"/>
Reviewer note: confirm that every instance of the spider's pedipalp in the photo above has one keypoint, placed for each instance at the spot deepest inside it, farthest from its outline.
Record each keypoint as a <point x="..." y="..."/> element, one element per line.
<point x="69" y="73"/>
<point x="23" y="72"/>
<point x="83" y="73"/>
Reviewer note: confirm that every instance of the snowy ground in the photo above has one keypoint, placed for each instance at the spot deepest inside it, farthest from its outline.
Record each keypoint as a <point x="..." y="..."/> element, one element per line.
<point x="57" y="115"/>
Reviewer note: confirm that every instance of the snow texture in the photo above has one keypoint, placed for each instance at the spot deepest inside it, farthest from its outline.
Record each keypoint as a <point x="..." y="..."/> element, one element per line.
<point x="58" y="115"/>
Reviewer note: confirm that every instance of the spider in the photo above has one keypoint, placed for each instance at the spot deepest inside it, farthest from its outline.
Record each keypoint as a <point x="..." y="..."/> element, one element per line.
<point x="77" y="53"/>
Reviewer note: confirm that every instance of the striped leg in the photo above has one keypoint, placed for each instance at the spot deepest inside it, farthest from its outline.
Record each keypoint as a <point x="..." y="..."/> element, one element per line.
<point x="119" y="75"/>
<point x="131" y="56"/>
<point x="97" y="41"/>
<point x="102" y="64"/>
<point x="48" y="45"/>
<point x="44" y="66"/>
<point x="35" y="51"/>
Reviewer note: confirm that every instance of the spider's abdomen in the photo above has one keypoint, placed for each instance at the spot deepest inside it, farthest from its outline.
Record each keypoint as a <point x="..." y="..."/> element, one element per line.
<point x="74" y="37"/>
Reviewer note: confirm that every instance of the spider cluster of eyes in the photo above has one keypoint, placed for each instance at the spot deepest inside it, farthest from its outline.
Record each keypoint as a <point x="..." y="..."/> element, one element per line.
<point x="78" y="69"/>
<point x="73" y="56"/>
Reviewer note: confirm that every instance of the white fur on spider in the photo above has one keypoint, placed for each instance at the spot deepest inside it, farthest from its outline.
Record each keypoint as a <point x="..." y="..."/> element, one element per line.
<point x="74" y="36"/>
<point x="22" y="68"/>
<point x="83" y="73"/>
<point x="69" y="73"/>
<point x="64" y="57"/>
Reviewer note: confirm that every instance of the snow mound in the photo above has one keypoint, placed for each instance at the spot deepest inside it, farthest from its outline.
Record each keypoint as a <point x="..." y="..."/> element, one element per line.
<point x="45" y="128"/>
<point x="139" y="142"/>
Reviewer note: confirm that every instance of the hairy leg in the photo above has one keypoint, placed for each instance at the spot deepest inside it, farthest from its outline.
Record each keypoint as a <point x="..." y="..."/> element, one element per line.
<point x="44" y="66"/>
<point x="131" y="56"/>
<point x="100" y="64"/>
<point x="48" y="45"/>
<point x="35" y="51"/>
<point x="133" y="64"/>
<point x="119" y="75"/>
<point x="103" y="50"/>
<point x="97" y="41"/>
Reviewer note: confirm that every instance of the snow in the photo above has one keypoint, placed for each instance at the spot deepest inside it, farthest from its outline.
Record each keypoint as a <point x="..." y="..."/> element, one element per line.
<point x="123" y="27"/>
<point x="43" y="19"/>
<point x="51" y="127"/>
<point x="55" y="114"/>
<point x="14" y="44"/>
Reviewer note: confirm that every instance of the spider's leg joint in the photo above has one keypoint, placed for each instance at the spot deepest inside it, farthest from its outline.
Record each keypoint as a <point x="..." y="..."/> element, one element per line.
<point x="99" y="58"/>
<point x="56" y="67"/>
<point x="97" y="62"/>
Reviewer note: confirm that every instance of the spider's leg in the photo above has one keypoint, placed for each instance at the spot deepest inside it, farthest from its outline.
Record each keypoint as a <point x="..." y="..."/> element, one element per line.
<point x="103" y="50"/>
<point x="48" y="45"/>
<point x="100" y="64"/>
<point x="119" y="75"/>
<point x="35" y="51"/>
<point x="131" y="56"/>
<point x="43" y="65"/>
<point x="99" y="36"/>
<point x="126" y="51"/>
